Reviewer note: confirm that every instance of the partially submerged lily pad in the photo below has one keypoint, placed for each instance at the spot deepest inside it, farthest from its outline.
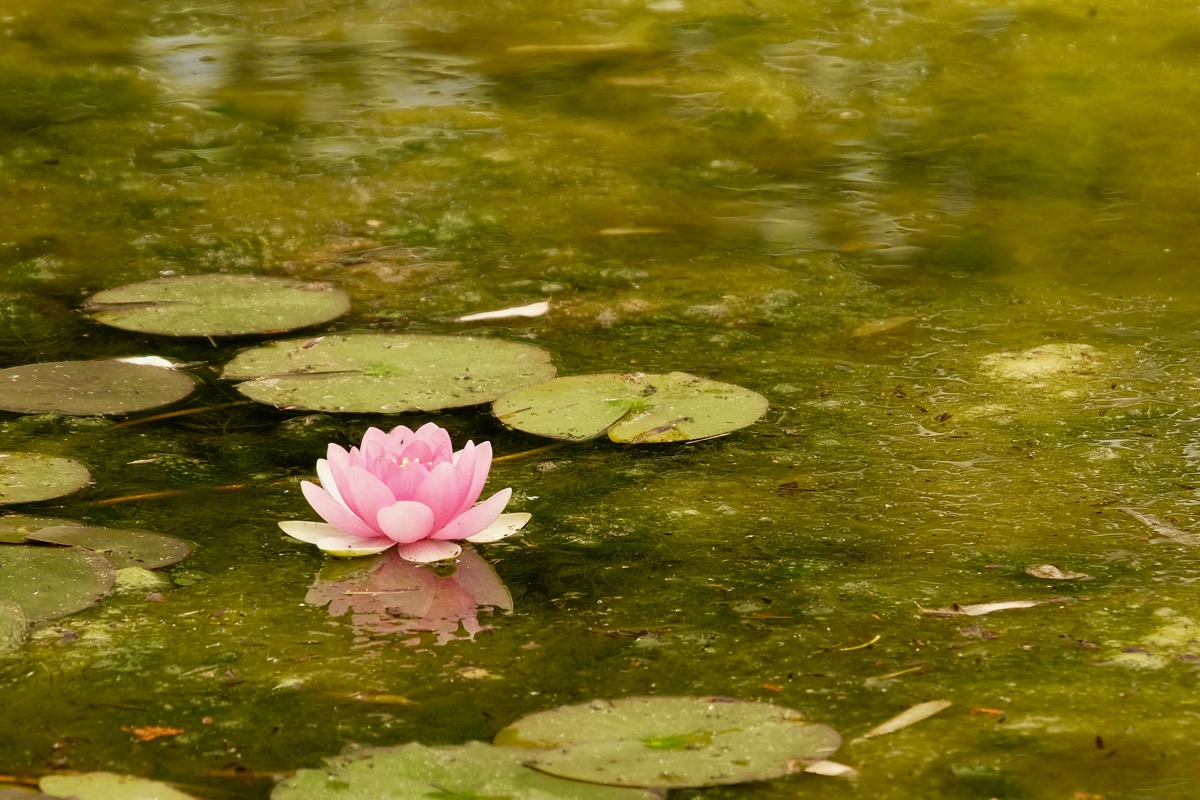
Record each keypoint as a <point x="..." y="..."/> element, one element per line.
<point x="31" y="477"/>
<point x="108" y="786"/>
<point x="49" y="582"/>
<point x="472" y="771"/>
<point x="631" y="408"/>
<point x="15" y="528"/>
<point x="122" y="548"/>
<point x="82" y="388"/>
<point x="670" y="742"/>
<point x="386" y="373"/>
<point x="217" y="305"/>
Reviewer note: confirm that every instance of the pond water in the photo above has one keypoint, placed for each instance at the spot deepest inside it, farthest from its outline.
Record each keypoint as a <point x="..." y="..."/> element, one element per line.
<point x="953" y="243"/>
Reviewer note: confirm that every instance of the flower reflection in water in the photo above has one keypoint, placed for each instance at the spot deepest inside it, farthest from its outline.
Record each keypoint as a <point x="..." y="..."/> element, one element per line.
<point x="388" y="595"/>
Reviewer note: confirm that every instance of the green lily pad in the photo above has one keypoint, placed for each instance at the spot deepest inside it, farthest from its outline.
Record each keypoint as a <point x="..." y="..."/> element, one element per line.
<point x="217" y="305"/>
<point x="108" y="786"/>
<point x="670" y="742"/>
<point x="122" y="548"/>
<point x="472" y="771"/>
<point x="631" y="408"/>
<point x="83" y="388"/>
<point x="386" y="373"/>
<point x="31" y="477"/>
<point x="13" y="625"/>
<point x="49" y="582"/>
<point x="14" y="528"/>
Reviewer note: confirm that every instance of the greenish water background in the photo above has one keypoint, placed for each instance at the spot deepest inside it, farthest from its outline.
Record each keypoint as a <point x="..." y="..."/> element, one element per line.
<point x="726" y="188"/>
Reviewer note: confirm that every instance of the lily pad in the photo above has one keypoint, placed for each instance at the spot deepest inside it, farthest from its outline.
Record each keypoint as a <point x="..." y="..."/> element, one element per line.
<point x="122" y="548"/>
<point x="217" y="305"/>
<point x="31" y="477"/>
<point x="472" y="771"/>
<point x="108" y="786"/>
<point x="386" y="373"/>
<point x="14" y="528"/>
<point x="670" y="742"/>
<point x="631" y="408"/>
<point x="82" y="388"/>
<point x="49" y="582"/>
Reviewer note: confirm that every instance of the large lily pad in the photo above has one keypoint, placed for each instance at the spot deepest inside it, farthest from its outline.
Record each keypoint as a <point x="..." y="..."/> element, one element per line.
<point x="386" y="373"/>
<point x="82" y="388"/>
<point x="631" y="408"/>
<point x="670" y="742"/>
<point x="122" y="548"/>
<point x="217" y="305"/>
<point x="49" y="582"/>
<point x="108" y="786"/>
<point x="31" y="477"/>
<point x="473" y="771"/>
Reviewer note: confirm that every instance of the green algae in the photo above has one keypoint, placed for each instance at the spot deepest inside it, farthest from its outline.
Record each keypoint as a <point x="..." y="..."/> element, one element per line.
<point x="703" y="187"/>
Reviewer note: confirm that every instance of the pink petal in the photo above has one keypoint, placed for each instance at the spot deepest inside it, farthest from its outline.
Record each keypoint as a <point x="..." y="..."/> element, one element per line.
<point x="365" y="494"/>
<point x="474" y="520"/>
<point x="504" y="526"/>
<point x="404" y="480"/>
<point x="406" y="522"/>
<point x="441" y="492"/>
<point x="334" y="512"/>
<point x="472" y="464"/>
<point x="428" y="550"/>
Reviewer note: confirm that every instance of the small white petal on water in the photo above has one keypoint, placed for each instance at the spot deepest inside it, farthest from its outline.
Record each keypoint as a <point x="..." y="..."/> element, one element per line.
<point x="531" y="310"/>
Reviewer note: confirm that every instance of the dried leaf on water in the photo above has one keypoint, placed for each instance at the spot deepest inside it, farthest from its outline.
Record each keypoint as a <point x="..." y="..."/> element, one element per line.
<point x="979" y="609"/>
<point x="1050" y="572"/>
<point x="1163" y="528"/>
<point x="911" y="716"/>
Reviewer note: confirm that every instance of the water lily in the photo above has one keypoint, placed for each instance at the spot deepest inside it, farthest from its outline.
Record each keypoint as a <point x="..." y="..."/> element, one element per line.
<point x="408" y="489"/>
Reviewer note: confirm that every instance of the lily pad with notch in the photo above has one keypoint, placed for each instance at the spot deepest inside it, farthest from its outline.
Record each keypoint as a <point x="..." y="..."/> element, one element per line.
<point x="49" y="582"/>
<point x="632" y="408"/>
<point x="122" y="548"/>
<point x="33" y="477"/>
<point x="108" y="786"/>
<point x="471" y="771"/>
<point x="84" y="388"/>
<point x="217" y="305"/>
<point x="386" y="373"/>
<point x="670" y="742"/>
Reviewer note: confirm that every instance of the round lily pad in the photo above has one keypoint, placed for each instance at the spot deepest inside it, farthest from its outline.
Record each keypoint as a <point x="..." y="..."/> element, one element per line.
<point x="31" y="477"/>
<point x="472" y="771"/>
<point x="386" y="373"/>
<point x="108" y="786"/>
<point x="670" y="742"/>
<point x="14" y="528"/>
<point x="217" y="305"/>
<point x="631" y="408"/>
<point x="48" y="582"/>
<point x="82" y="388"/>
<point x="122" y="548"/>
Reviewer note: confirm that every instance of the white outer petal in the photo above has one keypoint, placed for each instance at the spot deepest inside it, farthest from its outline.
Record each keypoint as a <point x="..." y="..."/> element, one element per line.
<point x="332" y="540"/>
<point x="504" y="526"/>
<point x="428" y="550"/>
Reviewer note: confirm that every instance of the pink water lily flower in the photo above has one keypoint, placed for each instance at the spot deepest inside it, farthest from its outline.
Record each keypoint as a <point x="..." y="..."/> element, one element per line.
<point x="408" y="489"/>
